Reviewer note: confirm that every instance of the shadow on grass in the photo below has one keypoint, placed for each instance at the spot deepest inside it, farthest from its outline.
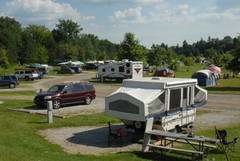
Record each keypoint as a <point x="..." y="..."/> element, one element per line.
<point x="98" y="137"/>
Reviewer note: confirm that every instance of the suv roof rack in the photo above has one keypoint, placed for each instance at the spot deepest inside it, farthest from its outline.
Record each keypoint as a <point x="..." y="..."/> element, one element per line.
<point x="72" y="82"/>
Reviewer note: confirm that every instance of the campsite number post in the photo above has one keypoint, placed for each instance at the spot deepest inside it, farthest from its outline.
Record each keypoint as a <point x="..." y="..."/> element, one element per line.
<point x="49" y="111"/>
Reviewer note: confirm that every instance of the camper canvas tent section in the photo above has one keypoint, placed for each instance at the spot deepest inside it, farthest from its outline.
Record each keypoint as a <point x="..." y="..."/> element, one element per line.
<point x="170" y="101"/>
<point x="121" y="70"/>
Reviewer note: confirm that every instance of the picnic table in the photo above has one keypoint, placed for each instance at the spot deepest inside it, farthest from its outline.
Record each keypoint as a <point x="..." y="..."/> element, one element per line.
<point x="198" y="144"/>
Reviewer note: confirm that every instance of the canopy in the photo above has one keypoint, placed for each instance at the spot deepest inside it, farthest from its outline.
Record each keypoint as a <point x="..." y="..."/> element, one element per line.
<point x="215" y="69"/>
<point x="35" y="65"/>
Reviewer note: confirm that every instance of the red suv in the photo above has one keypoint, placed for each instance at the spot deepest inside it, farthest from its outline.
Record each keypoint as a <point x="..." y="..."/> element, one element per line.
<point x="67" y="93"/>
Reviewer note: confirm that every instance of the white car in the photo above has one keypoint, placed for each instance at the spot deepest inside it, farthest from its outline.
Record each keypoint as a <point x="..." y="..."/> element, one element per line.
<point x="26" y="74"/>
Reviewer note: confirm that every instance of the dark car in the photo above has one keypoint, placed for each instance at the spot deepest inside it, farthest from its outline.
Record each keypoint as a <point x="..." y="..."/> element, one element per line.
<point x="9" y="81"/>
<point x="66" y="71"/>
<point x="91" y="66"/>
<point x="77" y="69"/>
<point x="67" y="93"/>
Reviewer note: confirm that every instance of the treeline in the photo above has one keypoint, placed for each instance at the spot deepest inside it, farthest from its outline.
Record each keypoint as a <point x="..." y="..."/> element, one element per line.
<point x="38" y="44"/>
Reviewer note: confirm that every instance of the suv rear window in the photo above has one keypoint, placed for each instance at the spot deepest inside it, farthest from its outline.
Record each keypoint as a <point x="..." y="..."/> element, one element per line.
<point x="89" y="87"/>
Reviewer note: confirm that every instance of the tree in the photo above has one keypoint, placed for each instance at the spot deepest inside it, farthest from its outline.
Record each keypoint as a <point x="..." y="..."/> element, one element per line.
<point x="41" y="55"/>
<point x="34" y="37"/>
<point x="217" y="60"/>
<point x="130" y="49"/>
<point x="4" y="59"/>
<point x="188" y="61"/>
<point x="67" y="31"/>
<point x="10" y="37"/>
<point x="68" y="52"/>
<point x="156" y="55"/>
<point x="234" y="64"/>
<point x="102" y="56"/>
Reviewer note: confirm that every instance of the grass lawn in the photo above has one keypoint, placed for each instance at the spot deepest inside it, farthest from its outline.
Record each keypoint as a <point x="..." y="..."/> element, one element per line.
<point x="20" y="140"/>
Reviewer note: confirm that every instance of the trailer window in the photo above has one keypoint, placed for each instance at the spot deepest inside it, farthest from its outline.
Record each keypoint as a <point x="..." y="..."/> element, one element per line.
<point x="190" y="95"/>
<point x="103" y="70"/>
<point x="184" y="101"/>
<point x="121" y="69"/>
<point x="162" y="97"/>
<point x="175" y="98"/>
<point x="128" y="64"/>
<point x="124" y="106"/>
<point x="112" y="69"/>
<point x="128" y="71"/>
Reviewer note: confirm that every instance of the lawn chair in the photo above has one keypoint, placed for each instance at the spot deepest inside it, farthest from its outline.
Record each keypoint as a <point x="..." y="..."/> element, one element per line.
<point x="114" y="134"/>
<point x="225" y="145"/>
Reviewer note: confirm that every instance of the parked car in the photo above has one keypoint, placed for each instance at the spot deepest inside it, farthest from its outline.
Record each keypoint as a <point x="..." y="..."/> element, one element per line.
<point x="26" y="74"/>
<point x="90" y="66"/>
<point x="77" y="69"/>
<point x="9" y="81"/>
<point x="40" y="74"/>
<point x="66" y="71"/>
<point x="67" y="93"/>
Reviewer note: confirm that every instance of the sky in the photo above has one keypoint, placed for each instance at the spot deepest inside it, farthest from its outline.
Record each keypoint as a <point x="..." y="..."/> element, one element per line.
<point x="151" y="21"/>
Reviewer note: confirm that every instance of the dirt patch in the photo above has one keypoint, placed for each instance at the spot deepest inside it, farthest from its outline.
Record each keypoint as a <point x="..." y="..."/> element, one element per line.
<point x="91" y="140"/>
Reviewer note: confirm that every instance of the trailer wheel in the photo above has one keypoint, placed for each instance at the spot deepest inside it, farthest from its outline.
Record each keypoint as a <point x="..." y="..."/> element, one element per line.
<point x="138" y="125"/>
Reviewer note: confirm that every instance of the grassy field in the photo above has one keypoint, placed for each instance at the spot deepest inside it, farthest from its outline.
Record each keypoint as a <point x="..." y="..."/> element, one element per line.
<point x="20" y="140"/>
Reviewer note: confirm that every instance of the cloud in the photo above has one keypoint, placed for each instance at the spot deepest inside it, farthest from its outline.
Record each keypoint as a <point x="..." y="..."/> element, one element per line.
<point x="41" y="11"/>
<point x="129" y="16"/>
<point x="110" y="2"/>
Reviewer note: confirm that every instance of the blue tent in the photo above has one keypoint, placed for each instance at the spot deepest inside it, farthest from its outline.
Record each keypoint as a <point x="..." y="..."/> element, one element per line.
<point x="205" y="77"/>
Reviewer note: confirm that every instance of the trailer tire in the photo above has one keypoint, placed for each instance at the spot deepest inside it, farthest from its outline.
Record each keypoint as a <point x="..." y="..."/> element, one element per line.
<point x="138" y="125"/>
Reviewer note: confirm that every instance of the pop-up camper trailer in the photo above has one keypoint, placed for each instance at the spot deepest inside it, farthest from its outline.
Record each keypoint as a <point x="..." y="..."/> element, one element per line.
<point x="171" y="102"/>
<point x="121" y="70"/>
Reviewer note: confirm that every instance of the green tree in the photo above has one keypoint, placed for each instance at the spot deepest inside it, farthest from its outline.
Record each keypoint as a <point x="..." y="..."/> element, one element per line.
<point x="156" y="55"/>
<point x="67" y="51"/>
<point x="10" y="37"/>
<point x="188" y="61"/>
<point x="174" y="66"/>
<point x="234" y="64"/>
<point x="4" y="59"/>
<point x="67" y="31"/>
<point x="131" y="49"/>
<point x="217" y="60"/>
<point x="35" y="37"/>
<point x="102" y="56"/>
<point x="41" y="55"/>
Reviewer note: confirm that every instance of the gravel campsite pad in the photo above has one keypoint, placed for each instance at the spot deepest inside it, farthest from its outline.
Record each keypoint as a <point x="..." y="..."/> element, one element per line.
<point x="91" y="140"/>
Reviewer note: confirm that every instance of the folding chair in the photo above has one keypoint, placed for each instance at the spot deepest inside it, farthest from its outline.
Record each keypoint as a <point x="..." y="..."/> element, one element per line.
<point x="114" y="134"/>
<point x="225" y="145"/>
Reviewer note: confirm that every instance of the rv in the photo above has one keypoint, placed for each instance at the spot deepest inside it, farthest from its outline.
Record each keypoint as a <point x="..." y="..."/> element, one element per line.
<point x="121" y="70"/>
<point x="172" y="102"/>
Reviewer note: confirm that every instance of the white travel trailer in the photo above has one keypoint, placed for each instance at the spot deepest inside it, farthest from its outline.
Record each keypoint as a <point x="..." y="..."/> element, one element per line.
<point x="171" y="102"/>
<point x="121" y="70"/>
